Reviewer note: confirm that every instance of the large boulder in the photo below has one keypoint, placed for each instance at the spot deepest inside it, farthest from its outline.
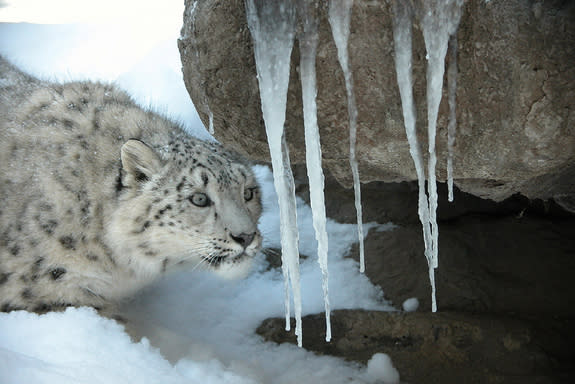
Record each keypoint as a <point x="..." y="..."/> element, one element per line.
<point x="515" y="95"/>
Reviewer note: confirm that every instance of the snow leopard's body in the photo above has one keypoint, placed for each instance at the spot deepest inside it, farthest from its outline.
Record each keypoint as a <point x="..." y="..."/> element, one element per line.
<point x="99" y="197"/>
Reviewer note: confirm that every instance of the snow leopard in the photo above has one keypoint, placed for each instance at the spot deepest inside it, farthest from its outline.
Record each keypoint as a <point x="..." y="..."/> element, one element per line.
<point x="100" y="197"/>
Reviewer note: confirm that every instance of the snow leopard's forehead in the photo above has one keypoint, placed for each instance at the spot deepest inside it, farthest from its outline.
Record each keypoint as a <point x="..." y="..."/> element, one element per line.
<point x="220" y="165"/>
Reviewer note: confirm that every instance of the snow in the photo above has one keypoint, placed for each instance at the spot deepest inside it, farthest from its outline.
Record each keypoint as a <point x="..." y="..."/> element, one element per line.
<point x="339" y="20"/>
<point x="198" y="328"/>
<point x="410" y="305"/>
<point x="381" y="369"/>
<point x="272" y="25"/>
<point x="207" y="322"/>
<point x="308" y="48"/>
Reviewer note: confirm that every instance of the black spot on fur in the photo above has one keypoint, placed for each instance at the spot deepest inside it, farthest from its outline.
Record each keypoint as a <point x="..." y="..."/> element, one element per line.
<point x="49" y="226"/>
<point x="57" y="273"/>
<point x="180" y="185"/>
<point x="141" y="177"/>
<point x="119" y="186"/>
<point x="205" y="178"/>
<point x="4" y="277"/>
<point x="143" y="228"/>
<point x="164" y="264"/>
<point x="69" y="124"/>
<point x="92" y="257"/>
<point x="68" y="242"/>
<point x="27" y="294"/>
<point x="38" y="262"/>
<point x="15" y="250"/>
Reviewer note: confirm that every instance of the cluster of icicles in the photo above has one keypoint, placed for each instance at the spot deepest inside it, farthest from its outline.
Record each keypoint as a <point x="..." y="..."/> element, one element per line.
<point x="273" y="25"/>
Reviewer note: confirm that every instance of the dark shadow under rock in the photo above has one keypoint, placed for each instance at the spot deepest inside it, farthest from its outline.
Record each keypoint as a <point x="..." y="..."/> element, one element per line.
<point x="444" y="347"/>
<point x="514" y="256"/>
<point x="486" y="264"/>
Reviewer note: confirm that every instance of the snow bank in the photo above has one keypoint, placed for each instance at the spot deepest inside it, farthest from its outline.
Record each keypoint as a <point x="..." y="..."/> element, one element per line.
<point x="211" y="321"/>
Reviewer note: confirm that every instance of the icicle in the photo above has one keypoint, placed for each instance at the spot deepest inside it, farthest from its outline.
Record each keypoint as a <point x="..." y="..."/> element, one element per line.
<point x="308" y="47"/>
<point x="210" y="121"/>
<point x="272" y="25"/>
<point x="402" y="21"/>
<point x="452" y="125"/>
<point x="339" y="20"/>
<point x="439" y="19"/>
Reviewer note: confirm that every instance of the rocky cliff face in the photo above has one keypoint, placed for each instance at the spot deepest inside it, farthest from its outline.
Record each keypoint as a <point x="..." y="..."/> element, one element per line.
<point x="515" y="96"/>
<point x="505" y="268"/>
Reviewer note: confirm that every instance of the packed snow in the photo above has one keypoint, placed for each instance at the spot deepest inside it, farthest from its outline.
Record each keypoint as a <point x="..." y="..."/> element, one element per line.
<point x="410" y="305"/>
<point x="198" y="328"/>
<point x="381" y="369"/>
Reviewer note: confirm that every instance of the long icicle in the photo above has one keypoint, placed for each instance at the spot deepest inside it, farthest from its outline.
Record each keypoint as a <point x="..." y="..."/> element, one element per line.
<point x="402" y="37"/>
<point x="339" y="20"/>
<point x="308" y="47"/>
<point x="272" y="24"/>
<point x="439" y="19"/>
<point x="452" y="125"/>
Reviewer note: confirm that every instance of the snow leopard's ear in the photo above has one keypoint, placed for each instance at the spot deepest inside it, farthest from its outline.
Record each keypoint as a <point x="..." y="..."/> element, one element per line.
<point x="139" y="161"/>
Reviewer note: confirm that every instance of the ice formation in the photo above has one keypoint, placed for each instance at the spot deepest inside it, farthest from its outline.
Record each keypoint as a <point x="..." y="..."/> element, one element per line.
<point x="452" y="125"/>
<point x="210" y="121"/>
<point x="339" y="20"/>
<point x="272" y="25"/>
<point x="402" y="20"/>
<point x="308" y="48"/>
<point x="439" y="20"/>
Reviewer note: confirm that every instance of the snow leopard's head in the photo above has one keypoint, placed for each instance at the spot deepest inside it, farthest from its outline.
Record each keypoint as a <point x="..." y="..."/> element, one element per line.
<point x="189" y="203"/>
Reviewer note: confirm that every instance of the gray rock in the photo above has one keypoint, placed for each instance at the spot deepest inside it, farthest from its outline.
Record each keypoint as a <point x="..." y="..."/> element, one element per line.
<point x="444" y="348"/>
<point x="516" y="94"/>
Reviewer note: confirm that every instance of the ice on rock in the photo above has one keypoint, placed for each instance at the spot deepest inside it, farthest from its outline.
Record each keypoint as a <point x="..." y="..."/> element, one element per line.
<point x="339" y="20"/>
<point x="272" y="25"/>
<point x="439" y="20"/>
<point x="452" y="125"/>
<point x="210" y="121"/>
<point x="402" y="21"/>
<point x="308" y="48"/>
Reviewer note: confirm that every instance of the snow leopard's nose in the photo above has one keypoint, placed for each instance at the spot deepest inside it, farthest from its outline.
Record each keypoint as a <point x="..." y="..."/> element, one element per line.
<point x="244" y="239"/>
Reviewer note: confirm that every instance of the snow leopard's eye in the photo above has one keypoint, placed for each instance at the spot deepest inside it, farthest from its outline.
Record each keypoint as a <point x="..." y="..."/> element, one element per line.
<point x="249" y="194"/>
<point x="200" y="199"/>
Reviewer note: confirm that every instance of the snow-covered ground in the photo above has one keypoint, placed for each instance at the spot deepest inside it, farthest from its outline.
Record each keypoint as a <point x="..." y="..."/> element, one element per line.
<point x="203" y="325"/>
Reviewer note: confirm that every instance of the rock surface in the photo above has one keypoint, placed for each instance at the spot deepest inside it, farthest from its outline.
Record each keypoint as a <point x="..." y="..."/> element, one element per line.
<point x="515" y="96"/>
<point x="505" y="269"/>
<point x="444" y="348"/>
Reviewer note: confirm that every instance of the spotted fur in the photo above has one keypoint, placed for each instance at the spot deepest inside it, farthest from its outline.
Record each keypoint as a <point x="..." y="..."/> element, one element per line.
<point x="100" y="197"/>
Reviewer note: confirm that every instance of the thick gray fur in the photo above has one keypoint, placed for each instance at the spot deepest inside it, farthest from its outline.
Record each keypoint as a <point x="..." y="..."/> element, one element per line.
<point x="99" y="197"/>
